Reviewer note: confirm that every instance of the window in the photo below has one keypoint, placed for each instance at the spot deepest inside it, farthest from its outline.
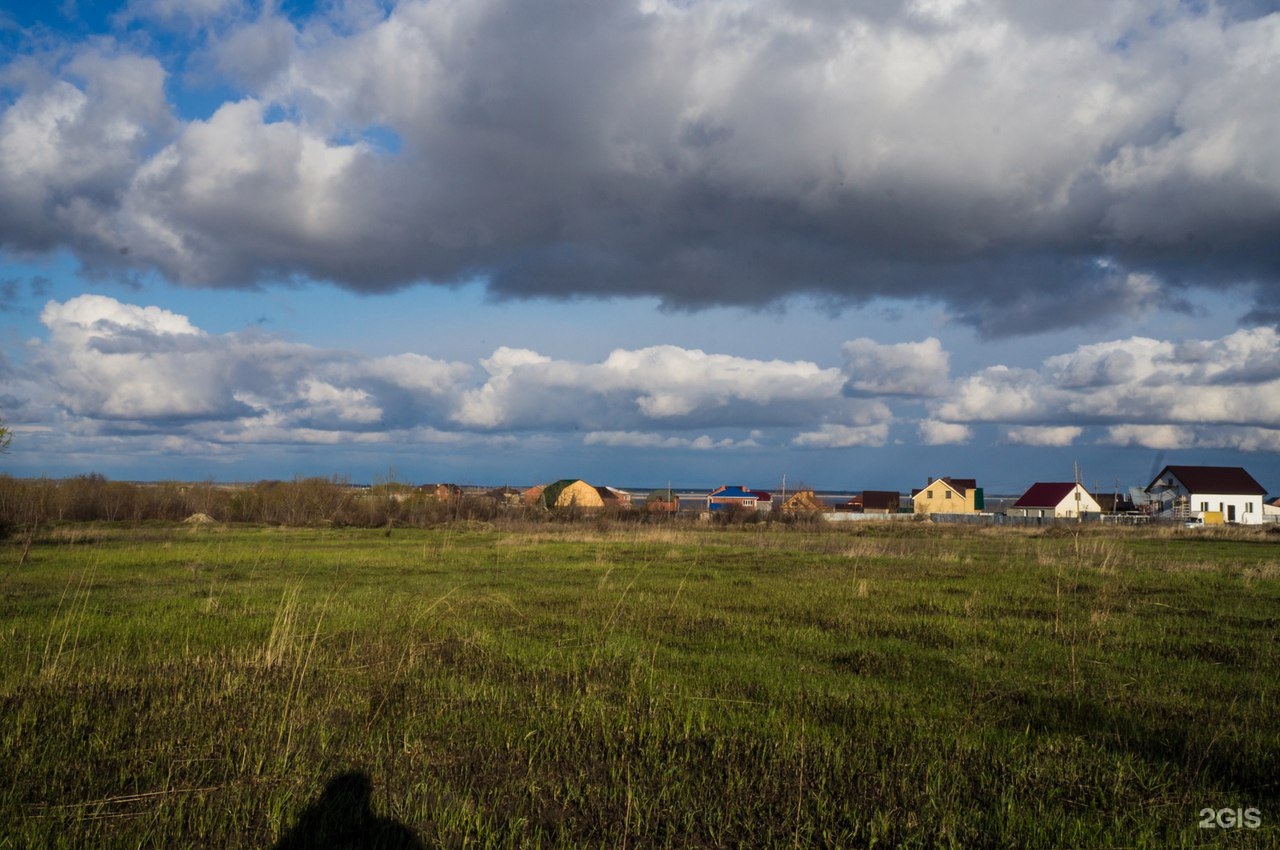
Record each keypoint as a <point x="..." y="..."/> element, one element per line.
<point x="1248" y="507"/>
<point x="1204" y="506"/>
<point x="928" y="494"/>
<point x="947" y="495"/>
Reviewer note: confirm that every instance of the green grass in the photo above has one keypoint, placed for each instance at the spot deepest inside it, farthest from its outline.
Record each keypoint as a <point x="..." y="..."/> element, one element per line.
<point x="569" y="686"/>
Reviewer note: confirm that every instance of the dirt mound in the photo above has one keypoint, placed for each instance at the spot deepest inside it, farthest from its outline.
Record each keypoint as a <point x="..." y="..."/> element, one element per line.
<point x="199" y="519"/>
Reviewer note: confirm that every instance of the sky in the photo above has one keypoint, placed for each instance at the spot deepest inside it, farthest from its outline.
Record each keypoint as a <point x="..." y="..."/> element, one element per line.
<point x="855" y="243"/>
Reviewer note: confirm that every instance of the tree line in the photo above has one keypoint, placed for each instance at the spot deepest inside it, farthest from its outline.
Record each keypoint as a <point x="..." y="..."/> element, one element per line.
<point x="25" y="502"/>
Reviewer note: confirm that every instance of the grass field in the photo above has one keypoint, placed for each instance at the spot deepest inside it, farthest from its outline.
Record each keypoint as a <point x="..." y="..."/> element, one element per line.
<point x="574" y="686"/>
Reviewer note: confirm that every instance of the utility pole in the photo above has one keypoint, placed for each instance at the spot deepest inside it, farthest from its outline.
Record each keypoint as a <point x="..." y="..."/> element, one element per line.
<point x="1079" y="515"/>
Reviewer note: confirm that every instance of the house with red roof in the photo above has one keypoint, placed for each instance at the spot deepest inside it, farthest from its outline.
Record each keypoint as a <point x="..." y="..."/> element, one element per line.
<point x="1225" y="493"/>
<point x="1055" y="499"/>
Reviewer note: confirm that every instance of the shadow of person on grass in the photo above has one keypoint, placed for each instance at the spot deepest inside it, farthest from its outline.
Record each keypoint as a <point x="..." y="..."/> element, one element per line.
<point x="343" y="819"/>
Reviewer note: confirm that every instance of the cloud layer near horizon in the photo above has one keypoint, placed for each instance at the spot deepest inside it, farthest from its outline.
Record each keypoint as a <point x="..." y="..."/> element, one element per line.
<point x="1031" y="165"/>
<point x="119" y="372"/>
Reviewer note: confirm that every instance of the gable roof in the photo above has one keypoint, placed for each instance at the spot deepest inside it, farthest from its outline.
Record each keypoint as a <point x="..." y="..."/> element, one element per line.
<point x="1227" y="480"/>
<point x="732" y="491"/>
<point x="552" y="491"/>
<point x="1114" y="503"/>
<point x="581" y="493"/>
<point x="957" y="484"/>
<point x="1045" y="494"/>
<point x="804" y="500"/>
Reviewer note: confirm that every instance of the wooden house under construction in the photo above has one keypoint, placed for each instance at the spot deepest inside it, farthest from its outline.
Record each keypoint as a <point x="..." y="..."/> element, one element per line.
<point x="803" y="502"/>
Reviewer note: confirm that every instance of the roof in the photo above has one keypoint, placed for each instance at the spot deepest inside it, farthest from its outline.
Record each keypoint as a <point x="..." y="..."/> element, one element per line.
<point x="551" y="493"/>
<point x="804" y="500"/>
<point x="761" y="495"/>
<point x="880" y="498"/>
<point x="1114" y="503"/>
<point x="1227" y="480"/>
<point x="663" y="495"/>
<point x="504" y="492"/>
<point x="957" y="484"/>
<point x="732" y="491"/>
<point x="437" y="489"/>
<point x="1045" y="494"/>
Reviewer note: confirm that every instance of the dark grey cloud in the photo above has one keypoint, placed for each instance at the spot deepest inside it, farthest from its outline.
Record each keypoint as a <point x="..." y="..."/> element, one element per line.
<point x="1262" y="314"/>
<point x="1032" y="165"/>
<point x="9" y="294"/>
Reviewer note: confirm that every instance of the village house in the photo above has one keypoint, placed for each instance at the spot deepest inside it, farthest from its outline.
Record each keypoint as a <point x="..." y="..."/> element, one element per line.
<point x="1055" y="499"/>
<point x="803" y="502"/>
<point x="612" y="497"/>
<point x="852" y="505"/>
<point x="948" y="496"/>
<point x="506" y="495"/>
<point x="881" y="501"/>
<point x="662" y="501"/>
<point x="727" y="495"/>
<point x="1271" y="511"/>
<point x="1207" y="493"/>
<point x="1115" y="503"/>
<point x="565" y="493"/>
<point x="441" y="492"/>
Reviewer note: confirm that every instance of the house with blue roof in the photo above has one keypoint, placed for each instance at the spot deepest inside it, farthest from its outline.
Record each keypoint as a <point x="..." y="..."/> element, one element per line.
<point x="736" y="494"/>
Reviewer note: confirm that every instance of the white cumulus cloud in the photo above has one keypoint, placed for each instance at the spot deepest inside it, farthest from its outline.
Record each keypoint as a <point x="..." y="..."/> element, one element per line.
<point x="836" y="436"/>
<point x="936" y="433"/>
<point x="128" y="364"/>
<point x="901" y="369"/>
<point x="1147" y="392"/>
<point x="629" y="390"/>
<point x="650" y="440"/>
<point x="1050" y="435"/>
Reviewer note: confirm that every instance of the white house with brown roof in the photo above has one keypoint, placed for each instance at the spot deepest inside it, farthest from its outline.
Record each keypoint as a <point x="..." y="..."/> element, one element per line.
<point x="1187" y="492"/>
<point x="1055" y="499"/>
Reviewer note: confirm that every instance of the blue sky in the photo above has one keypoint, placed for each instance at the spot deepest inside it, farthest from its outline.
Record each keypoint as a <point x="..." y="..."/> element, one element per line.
<point x="502" y="242"/>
